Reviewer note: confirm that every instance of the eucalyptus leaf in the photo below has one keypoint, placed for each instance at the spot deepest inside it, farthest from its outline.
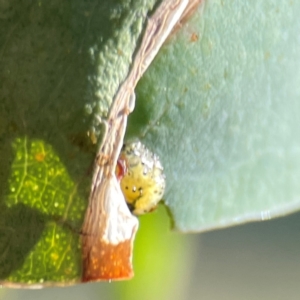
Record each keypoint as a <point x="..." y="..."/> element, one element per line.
<point x="220" y="105"/>
<point x="61" y="65"/>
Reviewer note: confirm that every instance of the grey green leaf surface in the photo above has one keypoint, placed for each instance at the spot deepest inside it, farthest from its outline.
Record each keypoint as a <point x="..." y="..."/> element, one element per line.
<point x="220" y="105"/>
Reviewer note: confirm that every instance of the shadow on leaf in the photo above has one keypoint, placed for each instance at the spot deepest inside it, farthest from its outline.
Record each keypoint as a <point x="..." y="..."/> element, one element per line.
<point x="20" y="229"/>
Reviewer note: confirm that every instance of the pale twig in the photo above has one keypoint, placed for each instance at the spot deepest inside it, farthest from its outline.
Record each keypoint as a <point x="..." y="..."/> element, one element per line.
<point x="109" y="228"/>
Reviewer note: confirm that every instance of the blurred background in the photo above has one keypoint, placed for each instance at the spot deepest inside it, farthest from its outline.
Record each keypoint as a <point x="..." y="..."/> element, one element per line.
<point x="251" y="261"/>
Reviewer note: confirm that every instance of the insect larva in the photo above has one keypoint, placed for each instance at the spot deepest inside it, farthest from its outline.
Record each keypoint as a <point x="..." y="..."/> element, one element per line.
<point x="141" y="177"/>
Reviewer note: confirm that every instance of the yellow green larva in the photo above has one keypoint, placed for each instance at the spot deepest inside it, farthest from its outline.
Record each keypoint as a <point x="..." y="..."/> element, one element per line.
<point x="141" y="177"/>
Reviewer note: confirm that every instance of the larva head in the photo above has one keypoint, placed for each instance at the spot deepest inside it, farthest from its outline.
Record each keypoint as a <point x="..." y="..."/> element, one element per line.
<point x="141" y="177"/>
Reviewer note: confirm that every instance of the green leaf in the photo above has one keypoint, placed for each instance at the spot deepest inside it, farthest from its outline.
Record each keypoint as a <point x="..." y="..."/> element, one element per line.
<point x="61" y="65"/>
<point x="222" y="113"/>
<point x="37" y="241"/>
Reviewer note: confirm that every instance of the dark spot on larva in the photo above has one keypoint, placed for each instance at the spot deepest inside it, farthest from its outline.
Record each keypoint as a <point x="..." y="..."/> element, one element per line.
<point x="156" y="192"/>
<point x="126" y="187"/>
<point x="130" y="206"/>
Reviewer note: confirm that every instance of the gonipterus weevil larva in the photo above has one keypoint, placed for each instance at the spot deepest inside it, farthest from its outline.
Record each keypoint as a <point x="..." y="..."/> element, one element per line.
<point x="141" y="177"/>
